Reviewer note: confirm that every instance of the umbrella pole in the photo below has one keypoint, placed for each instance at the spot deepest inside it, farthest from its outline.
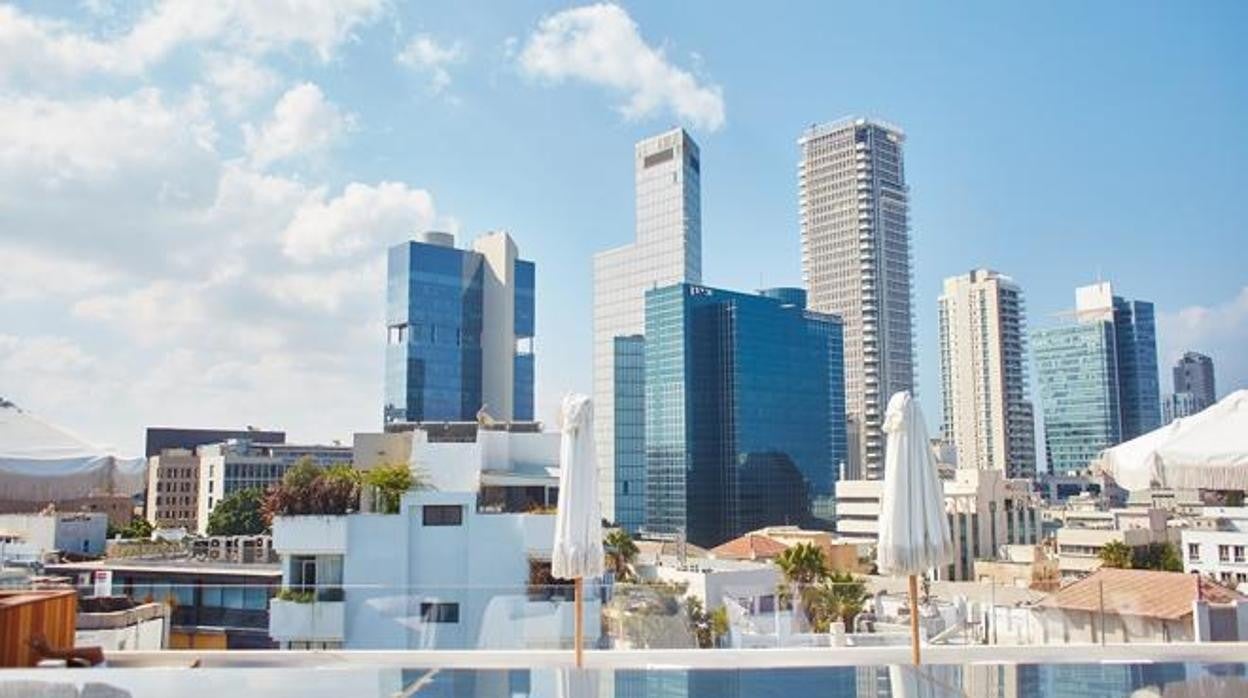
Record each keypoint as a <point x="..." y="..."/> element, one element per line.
<point x="914" y="618"/>
<point x="579" y="615"/>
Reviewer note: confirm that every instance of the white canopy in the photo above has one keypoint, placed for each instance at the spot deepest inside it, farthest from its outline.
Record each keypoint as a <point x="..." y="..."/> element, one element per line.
<point x="577" y="548"/>
<point x="1208" y="450"/>
<point x="41" y="462"/>
<point x="914" y="531"/>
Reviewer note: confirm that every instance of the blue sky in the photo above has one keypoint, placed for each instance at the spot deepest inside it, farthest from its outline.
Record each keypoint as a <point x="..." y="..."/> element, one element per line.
<point x="195" y="197"/>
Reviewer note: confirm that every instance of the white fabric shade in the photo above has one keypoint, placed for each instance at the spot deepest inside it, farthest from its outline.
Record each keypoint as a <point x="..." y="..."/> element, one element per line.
<point x="577" y="549"/>
<point x="914" y="531"/>
<point x="41" y="462"/>
<point x="1208" y="450"/>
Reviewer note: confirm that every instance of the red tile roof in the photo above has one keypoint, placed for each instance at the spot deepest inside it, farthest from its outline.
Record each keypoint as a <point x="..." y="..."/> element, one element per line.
<point x="751" y="546"/>
<point x="1146" y="593"/>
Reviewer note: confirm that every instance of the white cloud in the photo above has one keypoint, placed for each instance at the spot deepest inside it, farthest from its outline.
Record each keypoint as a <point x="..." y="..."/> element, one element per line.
<point x="363" y="219"/>
<point x="601" y="44"/>
<point x="239" y="81"/>
<point x="35" y="48"/>
<point x="304" y="122"/>
<point x="423" y="54"/>
<point x="1220" y="331"/>
<point x="30" y="275"/>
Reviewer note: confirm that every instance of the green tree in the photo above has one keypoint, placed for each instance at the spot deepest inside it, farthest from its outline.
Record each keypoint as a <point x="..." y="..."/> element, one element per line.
<point x="238" y="514"/>
<point x="1157" y="556"/>
<point x="802" y="564"/>
<point x="302" y="474"/>
<point x="390" y="482"/>
<point x="1116" y="554"/>
<point x="138" y="528"/>
<point x="838" y="596"/>
<point x="621" y="551"/>
<point x="1235" y="498"/>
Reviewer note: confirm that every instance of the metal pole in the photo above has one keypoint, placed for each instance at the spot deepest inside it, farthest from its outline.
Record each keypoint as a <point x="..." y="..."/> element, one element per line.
<point x="579" y="614"/>
<point x="914" y="617"/>
<point x="1100" y="590"/>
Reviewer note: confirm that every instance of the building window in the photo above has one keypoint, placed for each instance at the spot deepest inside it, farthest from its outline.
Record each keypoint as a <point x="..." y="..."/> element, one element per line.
<point x="1239" y="553"/>
<point x="443" y="515"/>
<point x="433" y="612"/>
<point x="1224" y="553"/>
<point x="1193" y="551"/>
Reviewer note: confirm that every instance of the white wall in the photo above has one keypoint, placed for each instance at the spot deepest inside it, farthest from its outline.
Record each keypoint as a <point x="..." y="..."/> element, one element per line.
<point x="145" y="635"/>
<point x="78" y="532"/>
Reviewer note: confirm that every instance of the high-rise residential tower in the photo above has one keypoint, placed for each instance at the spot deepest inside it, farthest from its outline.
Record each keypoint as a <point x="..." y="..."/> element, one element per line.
<point x="854" y="210"/>
<point x="986" y="413"/>
<point x="667" y="250"/>
<point x="745" y="412"/>
<point x="1194" y="374"/>
<point x="460" y="328"/>
<point x="1097" y="377"/>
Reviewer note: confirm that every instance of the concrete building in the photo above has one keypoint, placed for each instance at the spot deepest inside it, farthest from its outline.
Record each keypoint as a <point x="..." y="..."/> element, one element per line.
<point x="986" y="511"/>
<point x="667" y="250"/>
<point x="1085" y="531"/>
<point x="1022" y="566"/>
<point x="240" y="464"/>
<point x="744" y="413"/>
<point x="1215" y="545"/>
<point x="160" y="439"/>
<point x="460" y="327"/>
<point x="1098" y="377"/>
<point x="987" y="416"/>
<point x="1193" y="374"/>
<point x="1176" y="405"/>
<point x="853" y="204"/>
<point x="456" y="568"/>
<point x="38" y="535"/>
<point x="120" y="623"/>
<point x="768" y="543"/>
<point x="173" y="489"/>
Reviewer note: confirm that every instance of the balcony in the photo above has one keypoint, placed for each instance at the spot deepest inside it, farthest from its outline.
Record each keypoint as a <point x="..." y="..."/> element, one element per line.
<point x="320" y="616"/>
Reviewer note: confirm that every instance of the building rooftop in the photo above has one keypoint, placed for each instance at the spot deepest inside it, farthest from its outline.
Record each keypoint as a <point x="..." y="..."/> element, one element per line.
<point x="751" y="546"/>
<point x="171" y="565"/>
<point x="1147" y="593"/>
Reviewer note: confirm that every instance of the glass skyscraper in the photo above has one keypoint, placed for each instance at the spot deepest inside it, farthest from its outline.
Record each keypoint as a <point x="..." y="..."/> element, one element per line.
<point x="460" y="327"/>
<point x="744" y="413"/>
<point x="1098" y="377"/>
<point x="667" y="250"/>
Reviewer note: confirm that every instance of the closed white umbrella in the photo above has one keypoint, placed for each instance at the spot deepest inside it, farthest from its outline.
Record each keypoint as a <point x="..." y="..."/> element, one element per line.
<point x="914" y="533"/>
<point x="1208" y="450"/>
<point x="577" y="550"/>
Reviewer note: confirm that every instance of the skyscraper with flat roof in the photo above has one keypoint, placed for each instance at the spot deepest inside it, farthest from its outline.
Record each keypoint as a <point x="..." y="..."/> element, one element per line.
<point x="854" y="211"/>
<point x="1135" y="344"/>
<point x="987" y="416"/>
<point x="667" y="250"/>
<point x="745" y="413"/>
<point x="1193" y="373"/>
<point x="460" y="327"/>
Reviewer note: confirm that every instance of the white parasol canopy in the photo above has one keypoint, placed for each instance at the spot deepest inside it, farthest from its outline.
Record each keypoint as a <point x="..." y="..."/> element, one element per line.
<point x="41" y="462"/>
<point x="1208" y="450"/>
<point x="914" y="532"/>
<point x="577" y="550"/>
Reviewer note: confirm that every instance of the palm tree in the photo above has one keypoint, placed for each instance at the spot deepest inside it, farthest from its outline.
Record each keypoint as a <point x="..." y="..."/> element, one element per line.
<point x="802" y="564"/>
<point x="621" y="551"/>
<point x="838" y="597"/>
<point x="1116" y="554"/>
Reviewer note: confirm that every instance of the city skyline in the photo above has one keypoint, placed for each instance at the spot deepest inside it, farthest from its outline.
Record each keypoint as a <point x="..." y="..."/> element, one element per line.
<point x="283" y="180"/>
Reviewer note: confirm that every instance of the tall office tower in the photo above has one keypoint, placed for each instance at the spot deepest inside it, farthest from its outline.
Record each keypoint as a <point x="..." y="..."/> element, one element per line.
<point x="854" y="212"/>
<point x="987" y="416"/>
<point x="1194" y="374"/>
<point x="1135" y="340"/>
<point x="1077" y="372"/>
<point x="667" y="250"/>
<point x="1097" y="376"/>
<point x="1176" y="405"/>
<point x="745" y="413"/>
<point x="460" y="330"/>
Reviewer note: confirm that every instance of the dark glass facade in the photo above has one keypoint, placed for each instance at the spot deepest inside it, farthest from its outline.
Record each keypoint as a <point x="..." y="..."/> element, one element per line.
<point x="744" y="413"/>
<point x="1139" y="388"/>
<point x="434" y="318"/>
<point x="630" y="432"/>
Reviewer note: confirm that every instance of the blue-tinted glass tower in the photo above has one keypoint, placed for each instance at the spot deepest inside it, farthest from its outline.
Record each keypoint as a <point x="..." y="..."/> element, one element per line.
<point x="1139" y="387"/>
<point x="744" y="413"/>
<point x="1077" y="373"/>
<point x="460" y="327"/>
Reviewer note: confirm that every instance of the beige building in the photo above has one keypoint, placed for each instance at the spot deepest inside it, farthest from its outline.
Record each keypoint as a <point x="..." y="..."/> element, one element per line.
<point x="1085" y="532"/>
<point x="986" y="511"/>
<point x="987" y="416"/>
<point x="1021" y="566"/>
<point x="173" y="489"/>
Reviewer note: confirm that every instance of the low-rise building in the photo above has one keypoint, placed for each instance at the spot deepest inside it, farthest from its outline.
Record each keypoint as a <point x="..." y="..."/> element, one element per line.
<point x="1022" y="566"/>
<point x="712" y="581"/>
<point x="1084" y="533"/>
<point x="214" y="605"/>
<point x="986" y="510"/>
<point x="1215" y="545"/>
<point x="464" y="564"/>
<point x="38" y="535"/>
<point x="120" y="623"/>
<point x="767" y="544"/>
<point x="239" y="464"/>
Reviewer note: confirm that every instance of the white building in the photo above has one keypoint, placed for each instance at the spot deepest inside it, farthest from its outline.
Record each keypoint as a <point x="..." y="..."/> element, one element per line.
<point x="667" y="250"/>
<point x="452" y="570"/>
<point x="1085" y="532"/>
<point x="986" y="511"/>
<point x="1216" y="546"/>
<point x="239" y="464"/>
<point x="987" y="416"/>
<point x="30" y="537"/>
<point x="854" y="211"/>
